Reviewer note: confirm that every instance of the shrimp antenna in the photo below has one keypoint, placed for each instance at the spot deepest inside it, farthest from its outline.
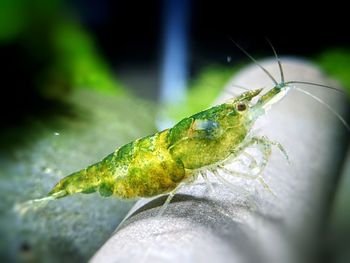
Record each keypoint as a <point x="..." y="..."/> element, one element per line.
<point x="278" y="60"/>
<point x="254" y="60"/>
<point x="326" y="105"/>
<point x="295" y="82"/>
<point x="314" y="84"/>
<point x="240" y="87"/>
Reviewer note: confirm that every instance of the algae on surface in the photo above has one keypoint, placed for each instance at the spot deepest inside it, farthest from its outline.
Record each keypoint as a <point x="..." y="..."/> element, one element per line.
<point x="35" y="155"/>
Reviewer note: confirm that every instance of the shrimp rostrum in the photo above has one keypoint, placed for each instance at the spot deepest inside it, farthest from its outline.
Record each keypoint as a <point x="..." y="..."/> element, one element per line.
<point x="204" y="142"/>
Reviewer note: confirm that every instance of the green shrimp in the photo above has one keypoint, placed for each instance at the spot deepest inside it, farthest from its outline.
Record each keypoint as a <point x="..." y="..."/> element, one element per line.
<point x="204" y="142"/>
<point x="161" y="163"/>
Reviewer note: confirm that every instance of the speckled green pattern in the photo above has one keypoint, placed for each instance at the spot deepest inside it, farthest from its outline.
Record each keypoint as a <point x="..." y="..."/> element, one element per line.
<point x="207" y="137"/>
<point x="152" y="170"/>
<point x="138" y="169"/>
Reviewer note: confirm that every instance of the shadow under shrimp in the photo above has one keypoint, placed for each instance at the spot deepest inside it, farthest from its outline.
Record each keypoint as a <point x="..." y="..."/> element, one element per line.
<point x="149" y="209"/>
<point x="222" y="219"/>
<point x="195" y="208"/>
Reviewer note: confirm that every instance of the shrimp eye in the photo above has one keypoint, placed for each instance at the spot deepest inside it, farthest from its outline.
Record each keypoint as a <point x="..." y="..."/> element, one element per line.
<point x="241" y="107"/>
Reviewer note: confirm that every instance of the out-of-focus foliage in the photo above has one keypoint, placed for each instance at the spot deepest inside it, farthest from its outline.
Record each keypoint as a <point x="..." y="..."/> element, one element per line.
<point x="62" y="51"/>
<point x="17" y="17"/>
<point x="77" y="63"/>
<point x="336" y="62"/>
<point x="11" y="19"/>
<point x="202" y="91"/>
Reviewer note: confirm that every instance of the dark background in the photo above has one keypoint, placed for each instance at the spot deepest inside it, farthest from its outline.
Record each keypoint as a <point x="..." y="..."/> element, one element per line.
<point x="129" y="36"/>
<point x="131" y="30"/>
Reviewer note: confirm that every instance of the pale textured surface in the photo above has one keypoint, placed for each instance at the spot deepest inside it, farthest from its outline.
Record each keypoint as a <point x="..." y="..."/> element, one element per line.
<point x="229" y="227"/>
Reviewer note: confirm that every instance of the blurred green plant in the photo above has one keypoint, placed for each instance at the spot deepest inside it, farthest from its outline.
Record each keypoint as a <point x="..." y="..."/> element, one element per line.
<point x="11" y="19"/>
<point x="18" y="16"/>
<point x="336" y="62"/>
<point x="77" y="63"/>
<point x="62" y="52"/>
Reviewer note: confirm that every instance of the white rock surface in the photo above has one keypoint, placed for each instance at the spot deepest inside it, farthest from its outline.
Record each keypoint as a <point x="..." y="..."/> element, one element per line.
<point x="228" y="227"/>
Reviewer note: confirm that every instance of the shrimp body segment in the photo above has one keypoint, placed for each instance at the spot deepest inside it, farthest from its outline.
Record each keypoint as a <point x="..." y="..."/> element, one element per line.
<point x="159" y="163"/>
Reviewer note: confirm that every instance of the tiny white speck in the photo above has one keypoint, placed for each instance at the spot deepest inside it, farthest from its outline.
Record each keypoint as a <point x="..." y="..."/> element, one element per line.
<point x="228" y="58"/>
<point x="56" y="134"/>
<point x="47" y="170"/>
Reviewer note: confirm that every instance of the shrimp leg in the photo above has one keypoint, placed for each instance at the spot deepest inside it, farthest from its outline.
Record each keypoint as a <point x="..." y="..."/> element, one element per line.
<point x="265" y="146"/>
<point x="207" y="181"/>
<point x="250" y="177"/>
<point x="173" y="192"/>
<point x="168" y="200"/>
<point x="252" y="162"/>
<point x="232" y="187"/>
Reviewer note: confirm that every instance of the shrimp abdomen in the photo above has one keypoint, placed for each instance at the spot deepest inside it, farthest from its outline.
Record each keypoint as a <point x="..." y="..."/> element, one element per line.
<point x="142" y="168"/>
